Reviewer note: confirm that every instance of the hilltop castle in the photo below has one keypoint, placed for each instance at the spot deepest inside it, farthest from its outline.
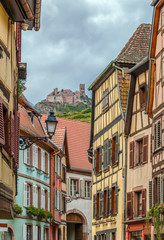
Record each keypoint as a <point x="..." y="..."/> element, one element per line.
<point x="67" y="96"/>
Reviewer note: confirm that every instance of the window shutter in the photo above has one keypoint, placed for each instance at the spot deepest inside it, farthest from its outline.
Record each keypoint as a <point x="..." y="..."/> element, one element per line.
<point x="34" y="229"/>
<point x="42" y="233"/>
<point x="17" y="130"/>
<point x="25" y="156"/>
<point x="117" y="148"/>
<point x="56" y="163"/>
<point x="36" y="233"/>
<point x="130" y="205"/>
<point x="101" y="204"/>
<point x="94" y="163"/>
<point x="11" y="134"/>
<point x="143" y="202"/>
<point x="48" y="164"/>
<point x="100" y="158"/>
<point x="145" y="149"/>
<point x="24" y="231"/>
<point x="48" y="201"/>
<point x="116" y="199"/>
<point x="42" y="198"/>
<point x="158" y="188"/>
<point x="151" y="149"/>
<point x="34" y="196"/>
<point x="82" y="188"/>
<point x="36" y="156"/>
<point x="42" y="160"/>
<point x="109" y="152"/>
<point x="33" y="155"/>
<point x="161" y="188"/>
<point x="2" y="132"/>
<point x="108" y="236"/>
<point x="105" y="156"/>
<point x="151" y="202"/>
<point x="94" y="206"/>
<point x="68" y="186"/>
<point x="109" y="202"/>
<point x="131" y="157"/>
<point x="25" y="195"/>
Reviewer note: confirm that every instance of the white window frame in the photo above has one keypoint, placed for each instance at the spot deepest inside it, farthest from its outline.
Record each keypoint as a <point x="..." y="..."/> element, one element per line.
<point x="73" y="187"/>
<point x="87" y="192"/>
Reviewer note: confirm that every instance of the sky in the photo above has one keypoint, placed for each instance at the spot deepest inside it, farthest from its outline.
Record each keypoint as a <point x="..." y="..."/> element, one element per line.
<point x="76" y="41"/>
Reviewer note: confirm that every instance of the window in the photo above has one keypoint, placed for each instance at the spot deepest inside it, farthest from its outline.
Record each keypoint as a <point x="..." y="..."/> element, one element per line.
<point x="114" y="199"/>
<point x="139" y="158"/>
<point x="98" y="160"/>
<point x="136" y="203"/>
<point x="136" y="235"/>
<point x="73" y="187"/>
<point x="98" y="206"/>
<point x="46" y="163"/>
<point x="38" y="196"/>
<point x="87" y="189"/>
<point x="39" y="158"/>
<point x="139" y="203"/>
<point x="113" y="236"/>
<point x="46" y="234"/>
<point x="6" y="128"/>
<point x="157" y="135"/>
<point x="63" y="204"/>
<point x="64" y="173"/>
<point x="142" y="93"/>
<point x="27" y="232"/>
<point x="58" y="165"/>
<point x="105" y="103"/>
<point x="38" y="232"/>
<point x="28" y="194"/>
<point x="105" y="203"/>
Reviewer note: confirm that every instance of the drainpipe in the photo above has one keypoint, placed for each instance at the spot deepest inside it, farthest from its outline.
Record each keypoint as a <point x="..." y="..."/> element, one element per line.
<point x="121" y="69"/>
<point x="125" y="186"/>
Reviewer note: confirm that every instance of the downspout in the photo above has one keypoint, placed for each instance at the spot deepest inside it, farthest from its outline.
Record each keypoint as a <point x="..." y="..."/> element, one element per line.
<point x="119" y="93"/>
<point x="125" y="186"/>
<point x="121" y="69"/>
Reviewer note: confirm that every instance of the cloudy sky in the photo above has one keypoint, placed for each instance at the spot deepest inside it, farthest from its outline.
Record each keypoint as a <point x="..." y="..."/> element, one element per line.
<point x="77" y="40"/>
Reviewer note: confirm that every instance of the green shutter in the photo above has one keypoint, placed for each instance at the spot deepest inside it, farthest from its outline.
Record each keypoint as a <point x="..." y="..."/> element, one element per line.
<point x="108" y="236"/>
<point x="117" y="148"/>
<point x="101" y="204"/>
<point x="94" y="206"/>
<point x="100" y="159"/>
<point x="109" y="202"/>
<point x="105" y="156"/>
<point x="94" y="162"/>
<point x="109" y="156"/>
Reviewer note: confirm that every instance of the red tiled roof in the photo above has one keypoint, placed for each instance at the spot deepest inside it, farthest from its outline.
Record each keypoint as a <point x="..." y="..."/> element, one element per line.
<point x="78" y="137"/>
<point x="58" y="137"/>
<point x="27" y="126"/>
<point x="137" y="47"/>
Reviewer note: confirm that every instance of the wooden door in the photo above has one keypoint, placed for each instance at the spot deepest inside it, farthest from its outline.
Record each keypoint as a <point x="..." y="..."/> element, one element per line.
<point x="78" y="231"/>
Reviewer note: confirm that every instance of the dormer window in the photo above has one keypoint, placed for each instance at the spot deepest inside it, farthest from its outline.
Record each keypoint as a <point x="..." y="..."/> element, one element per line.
<point x="31" y="116"/>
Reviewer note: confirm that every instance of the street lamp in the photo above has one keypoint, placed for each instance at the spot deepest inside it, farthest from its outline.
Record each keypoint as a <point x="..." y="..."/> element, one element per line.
<point x="68" y="199"/>
<point x="26" y="141"/>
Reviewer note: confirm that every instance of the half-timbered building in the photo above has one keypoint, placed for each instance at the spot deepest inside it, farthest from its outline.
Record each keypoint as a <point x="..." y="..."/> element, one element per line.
<point x="139" y="161"/>
<point x="155" y="104"/>
<point x="109" y="100"/>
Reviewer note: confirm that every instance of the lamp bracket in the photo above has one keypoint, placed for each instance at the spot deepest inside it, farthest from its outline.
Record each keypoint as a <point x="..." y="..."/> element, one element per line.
<point x="26" y="141"/>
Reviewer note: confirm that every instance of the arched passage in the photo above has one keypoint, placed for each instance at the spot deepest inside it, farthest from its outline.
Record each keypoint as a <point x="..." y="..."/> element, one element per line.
<point x="76" y="225"/>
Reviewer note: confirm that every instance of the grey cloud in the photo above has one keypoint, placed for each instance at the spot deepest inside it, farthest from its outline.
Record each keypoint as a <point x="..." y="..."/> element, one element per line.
<point x="77" y="40"/>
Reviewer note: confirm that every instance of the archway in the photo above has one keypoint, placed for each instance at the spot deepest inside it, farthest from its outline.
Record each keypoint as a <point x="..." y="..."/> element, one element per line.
<point x="76" y="225"/>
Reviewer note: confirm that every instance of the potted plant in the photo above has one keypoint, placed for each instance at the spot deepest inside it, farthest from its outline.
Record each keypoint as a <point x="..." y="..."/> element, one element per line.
<point x="41" y="213"/>
<point x="32" y="211"/>
<point x="49" y="215"/>
<point x="156" y="212"/>
<point x="17" y="209"/>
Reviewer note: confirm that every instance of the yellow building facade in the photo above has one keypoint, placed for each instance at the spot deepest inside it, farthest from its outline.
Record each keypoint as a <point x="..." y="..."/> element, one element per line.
<point x="108" y="145"/>
<point x="14" y="15"/>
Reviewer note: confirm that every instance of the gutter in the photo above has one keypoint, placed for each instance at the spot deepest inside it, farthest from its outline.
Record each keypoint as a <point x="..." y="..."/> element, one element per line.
<point x="37" y="15"/>
<point x="144" y="60"/>
<point x="125" y="187"/>
<point x="27" y="10"/>
<point x="119" y="90"/>
<point x="121" y="69"/>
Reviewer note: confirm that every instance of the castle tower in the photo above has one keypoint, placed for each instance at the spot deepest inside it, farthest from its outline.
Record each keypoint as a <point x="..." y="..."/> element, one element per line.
<point x="82" y="90"/>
